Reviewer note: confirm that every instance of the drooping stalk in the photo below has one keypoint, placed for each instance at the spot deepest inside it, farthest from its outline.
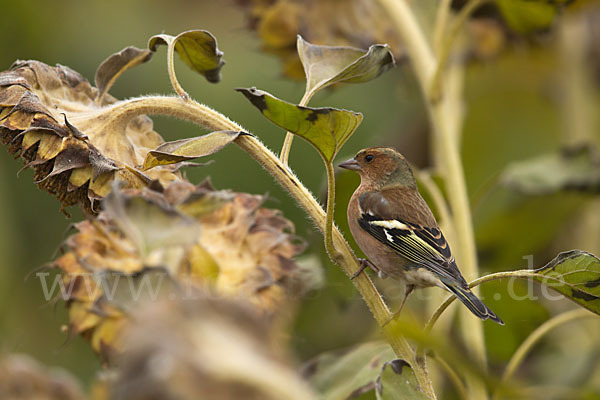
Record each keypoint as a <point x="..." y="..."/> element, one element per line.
<point x="205" y="116"/>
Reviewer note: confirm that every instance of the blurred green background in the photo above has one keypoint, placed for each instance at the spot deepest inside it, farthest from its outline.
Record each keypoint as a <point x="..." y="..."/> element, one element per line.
<point x="513" y="112"/>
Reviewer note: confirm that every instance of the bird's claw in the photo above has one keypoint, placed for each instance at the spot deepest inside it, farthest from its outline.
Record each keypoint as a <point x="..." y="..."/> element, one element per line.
<point x="364" y="263"/>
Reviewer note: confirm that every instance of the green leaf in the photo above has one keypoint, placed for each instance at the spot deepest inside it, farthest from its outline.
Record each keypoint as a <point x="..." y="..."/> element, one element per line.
<point x="571" y="169"/>
<point x="397" y="381"/>
<point x="327" y="65"/>
<point x="348" y="374"/>
<point x="111" y="68"/>
<point x="327" y="129"/>
<point x="528" y="16"/>
<point x="197" y="48"/>
<point x="576" y="275"/>
<point x="188" y="149"/>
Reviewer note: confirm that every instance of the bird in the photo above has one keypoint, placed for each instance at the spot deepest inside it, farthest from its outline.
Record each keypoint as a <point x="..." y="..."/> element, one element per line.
<point x="395" y="228"/>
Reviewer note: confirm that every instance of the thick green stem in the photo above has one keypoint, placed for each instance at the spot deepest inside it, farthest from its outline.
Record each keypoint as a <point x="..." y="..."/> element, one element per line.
<point x="445" y="124"/>
<point x="208" y="118"/>
<point x="289" y="136"/>
<point x="519" y="355"/>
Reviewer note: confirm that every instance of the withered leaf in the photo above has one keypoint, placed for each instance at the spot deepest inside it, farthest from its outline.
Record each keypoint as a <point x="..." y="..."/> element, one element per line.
<point x="74" y="156"/>
<point x="100" y="164"/>
<point x="197" y="48"/>
<point x="188" y="149"/>
<point x="111" y="68"/>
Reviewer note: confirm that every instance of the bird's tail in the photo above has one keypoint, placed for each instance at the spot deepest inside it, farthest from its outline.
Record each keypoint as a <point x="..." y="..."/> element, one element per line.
<point x="473" y="303"/>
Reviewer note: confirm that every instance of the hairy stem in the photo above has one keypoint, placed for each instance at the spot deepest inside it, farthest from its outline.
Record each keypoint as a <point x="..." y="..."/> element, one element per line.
<point x="446" y="125"/>
<point x="519" y="355"/>
<point x="172" y="76"/>
<point x="205" y="116"/>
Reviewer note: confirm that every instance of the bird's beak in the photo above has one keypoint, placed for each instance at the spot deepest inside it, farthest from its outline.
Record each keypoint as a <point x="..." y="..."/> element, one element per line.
<point x="350" y="164"/>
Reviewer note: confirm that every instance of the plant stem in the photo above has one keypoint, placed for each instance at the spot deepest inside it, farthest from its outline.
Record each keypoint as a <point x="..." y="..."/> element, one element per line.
<point x="205" y="116"/>
<point x="534" y="337"/>
<point x="458" y="384"/>
<point x="441" y="20"/>
<point x="445" y="124"/>
<point x="445" y="46"/>
<point x="171" y="69"/>
<point x="331" y="250"/>
<point x="289" y="136"/>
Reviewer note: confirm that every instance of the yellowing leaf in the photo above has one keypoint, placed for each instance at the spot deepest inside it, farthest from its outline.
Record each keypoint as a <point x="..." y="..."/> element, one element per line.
<point x="576" y="275"/>
<point x="197" y="48"/>
<point x="188" y="149"/>
<point x="327" y="129"/>
<point x="327" y="65"/>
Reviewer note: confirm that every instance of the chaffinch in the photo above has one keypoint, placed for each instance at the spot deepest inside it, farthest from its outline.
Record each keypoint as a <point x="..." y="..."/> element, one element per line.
<point x="397" y="231"/>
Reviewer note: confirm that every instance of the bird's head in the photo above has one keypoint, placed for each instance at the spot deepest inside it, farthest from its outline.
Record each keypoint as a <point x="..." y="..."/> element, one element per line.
<point x="381" y="166"/>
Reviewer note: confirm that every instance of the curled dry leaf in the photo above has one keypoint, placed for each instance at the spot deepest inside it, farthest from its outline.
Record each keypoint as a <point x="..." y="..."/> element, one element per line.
<point x="327" y="129"/>
<point x="220" y="350"/>
<point x="23" y="378"/>
<point x="178" y="243"/>
<point x="111" y="68"/>
<point x="189" y="149"/>
<point x="68" y="132"/>
<point x="356" y="23"/>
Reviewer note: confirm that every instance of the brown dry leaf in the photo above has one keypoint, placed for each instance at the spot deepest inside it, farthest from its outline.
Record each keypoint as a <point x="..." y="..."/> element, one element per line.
<point x="116" y="64"/>
<point x="147" y="245"/>
<point x="23" y="378"/>
<point x="65" y="130"/>
<point x="357" y="23"/>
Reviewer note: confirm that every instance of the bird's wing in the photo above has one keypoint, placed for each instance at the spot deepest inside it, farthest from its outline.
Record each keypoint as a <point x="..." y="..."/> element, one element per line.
<point x="422" y="245"/>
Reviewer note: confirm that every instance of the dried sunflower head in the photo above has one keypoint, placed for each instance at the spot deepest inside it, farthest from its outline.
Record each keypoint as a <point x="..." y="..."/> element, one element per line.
<point x="185" y="241"/>
<point x="68" y="132"/>
<point x="220" y="350"/>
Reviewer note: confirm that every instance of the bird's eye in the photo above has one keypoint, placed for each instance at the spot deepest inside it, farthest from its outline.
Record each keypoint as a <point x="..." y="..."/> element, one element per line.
<point x="369" y="158"/>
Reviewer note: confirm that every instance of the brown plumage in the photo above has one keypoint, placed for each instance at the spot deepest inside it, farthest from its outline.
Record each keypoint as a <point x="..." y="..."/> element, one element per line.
<point x="397" y="231"/>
